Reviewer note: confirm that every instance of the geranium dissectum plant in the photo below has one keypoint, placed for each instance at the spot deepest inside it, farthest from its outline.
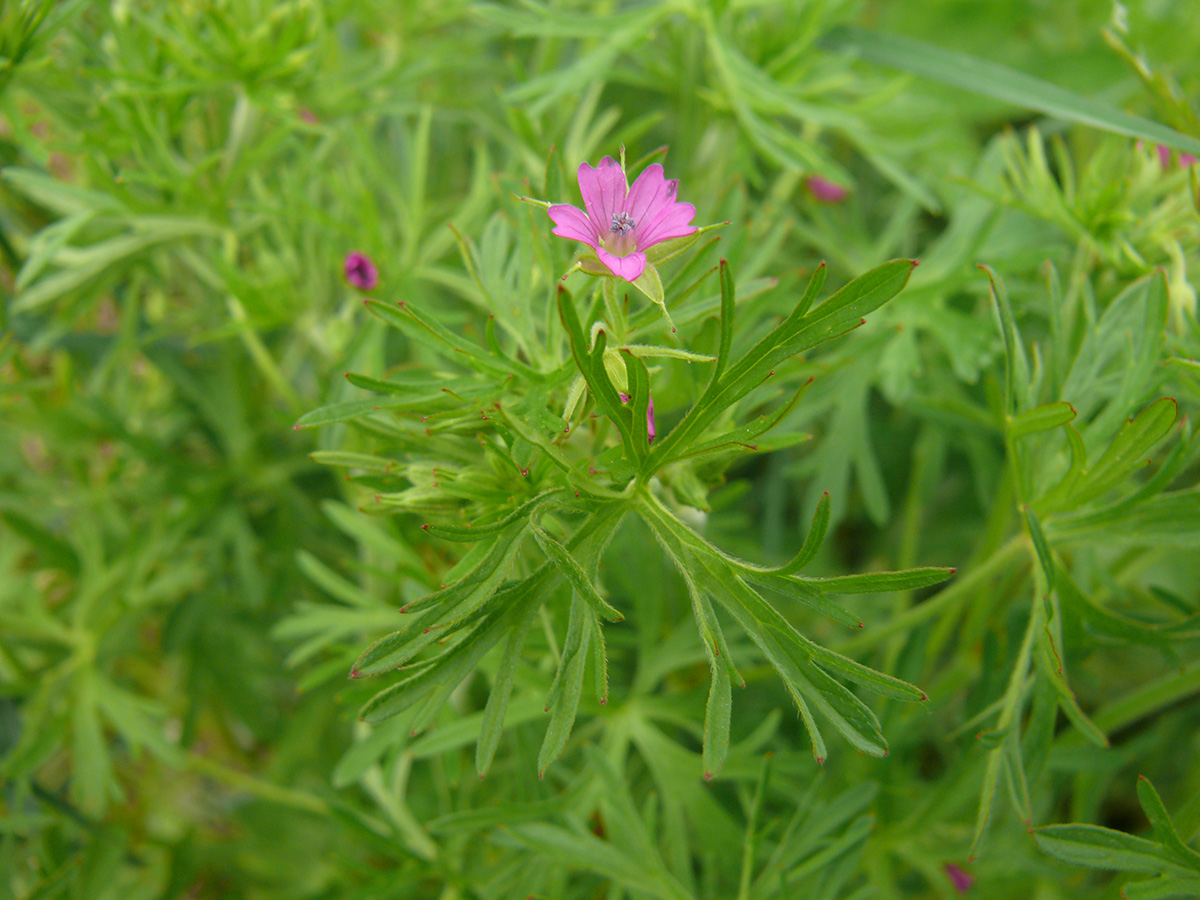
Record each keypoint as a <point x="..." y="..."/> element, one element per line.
<point x="621" y="221"/>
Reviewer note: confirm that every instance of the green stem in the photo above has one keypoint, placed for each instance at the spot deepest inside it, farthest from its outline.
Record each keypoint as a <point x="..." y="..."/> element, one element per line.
<point x="264" y="790"/>
<point x="261" y="356"/>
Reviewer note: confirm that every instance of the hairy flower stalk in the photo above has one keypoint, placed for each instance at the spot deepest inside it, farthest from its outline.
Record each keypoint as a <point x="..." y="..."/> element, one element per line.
<point x="619" y="221"/>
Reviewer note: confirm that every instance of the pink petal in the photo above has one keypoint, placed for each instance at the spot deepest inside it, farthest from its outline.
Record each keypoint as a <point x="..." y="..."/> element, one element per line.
<point x="672" y="222"/>
<point x="650" y="432"/>
<point x="1186" y="159"/>
<point x="1164" y="155"/>
<point x="628" y="267"/>
<point x="603" y="190"/>
<point x="573" y="223"/>
<point x="959" y="877"/>
<point x="824" y="190"/>
<point x="650" y="194"/>
<point x="361" y="271"/>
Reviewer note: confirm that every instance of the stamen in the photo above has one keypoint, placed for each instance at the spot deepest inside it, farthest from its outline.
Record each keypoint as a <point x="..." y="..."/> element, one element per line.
<point x="622" y="224"/>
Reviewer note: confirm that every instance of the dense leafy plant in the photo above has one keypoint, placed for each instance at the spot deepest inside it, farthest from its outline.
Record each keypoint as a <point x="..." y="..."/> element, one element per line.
<point x="191" y="193"/>
<point x="533" y="473"/>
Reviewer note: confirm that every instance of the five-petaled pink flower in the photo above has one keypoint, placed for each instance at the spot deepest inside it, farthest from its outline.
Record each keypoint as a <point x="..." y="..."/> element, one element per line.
<point x="622" y="221"/>
<point x="361" y="271"/>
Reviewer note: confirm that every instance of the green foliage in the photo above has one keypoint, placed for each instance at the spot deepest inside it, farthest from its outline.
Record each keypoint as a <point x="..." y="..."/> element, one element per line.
<point x="677" y="664"/>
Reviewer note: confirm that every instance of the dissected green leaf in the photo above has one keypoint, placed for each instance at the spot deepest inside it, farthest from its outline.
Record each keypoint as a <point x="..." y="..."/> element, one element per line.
<point x="1103" y="848"/>
<point x="1040" y="418"/>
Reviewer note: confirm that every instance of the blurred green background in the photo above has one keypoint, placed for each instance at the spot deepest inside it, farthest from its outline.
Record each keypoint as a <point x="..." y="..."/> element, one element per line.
<point x="182" y="589"/>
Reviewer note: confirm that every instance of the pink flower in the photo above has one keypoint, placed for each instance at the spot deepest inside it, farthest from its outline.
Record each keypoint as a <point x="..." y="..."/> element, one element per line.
<point x="825" y="191"/>
<point x="959" y="877"/>
<point x="360" y="271"/>
<point x="1164" y="157"/>
<point x="621" y="222"/>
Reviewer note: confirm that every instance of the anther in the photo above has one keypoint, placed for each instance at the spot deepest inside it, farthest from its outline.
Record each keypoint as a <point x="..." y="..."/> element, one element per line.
<point x="622" y="224"/>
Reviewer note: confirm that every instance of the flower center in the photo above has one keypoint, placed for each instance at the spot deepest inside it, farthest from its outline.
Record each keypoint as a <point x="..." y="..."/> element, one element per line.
<point x="622" y="224"/>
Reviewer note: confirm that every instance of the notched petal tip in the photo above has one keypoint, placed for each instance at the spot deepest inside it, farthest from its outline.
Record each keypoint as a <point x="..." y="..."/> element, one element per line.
<point x="628" y="267"/>
<point x="573" y="223"/>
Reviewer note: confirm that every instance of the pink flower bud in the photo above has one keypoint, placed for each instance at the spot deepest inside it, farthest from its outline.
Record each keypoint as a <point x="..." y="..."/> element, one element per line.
<point x="360" y="271"/>
<point x="959" y="877"/>
<point x="825" y="191"/>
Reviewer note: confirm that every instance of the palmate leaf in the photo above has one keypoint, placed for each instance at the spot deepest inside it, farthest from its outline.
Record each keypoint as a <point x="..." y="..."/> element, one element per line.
<point x="803" y="329"/>
<point x="445" y="610"/>
<point x="803" y="664"/>
<point x="479" y="610"/>
<point x="1127" y="451"/>
<point x="428" y="331"/>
